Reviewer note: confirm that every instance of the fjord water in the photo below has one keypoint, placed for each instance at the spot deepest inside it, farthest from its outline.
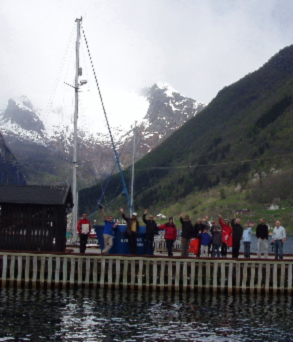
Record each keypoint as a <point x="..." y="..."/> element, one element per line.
<point x="104" y="315"/>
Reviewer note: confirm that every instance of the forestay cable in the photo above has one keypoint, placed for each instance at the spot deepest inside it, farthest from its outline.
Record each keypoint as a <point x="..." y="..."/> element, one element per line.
<point x="106" y="185"/>
<point x="108" y="126"/>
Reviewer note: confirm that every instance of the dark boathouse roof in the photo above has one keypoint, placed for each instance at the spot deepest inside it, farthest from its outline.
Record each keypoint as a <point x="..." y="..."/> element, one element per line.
<point x="36" y="194"/>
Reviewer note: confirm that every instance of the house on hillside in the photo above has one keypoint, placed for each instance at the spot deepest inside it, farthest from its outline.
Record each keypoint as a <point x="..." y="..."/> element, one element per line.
<point x="33" y="217"/>
<point x="242" y="211"/>
<point x="161" y="216"/>
<point x="273" y="206"/>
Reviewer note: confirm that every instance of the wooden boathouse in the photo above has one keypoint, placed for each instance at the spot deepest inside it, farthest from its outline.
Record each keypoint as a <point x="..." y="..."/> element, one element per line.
<point x="36" y="269"/>
<point x="33" y="217"/>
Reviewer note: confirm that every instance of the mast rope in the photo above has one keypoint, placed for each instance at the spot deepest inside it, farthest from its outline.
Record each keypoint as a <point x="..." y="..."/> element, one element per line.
<point x="108" y="125"/>
<point x="107" y="183"/>
<point x="107" y="205"/>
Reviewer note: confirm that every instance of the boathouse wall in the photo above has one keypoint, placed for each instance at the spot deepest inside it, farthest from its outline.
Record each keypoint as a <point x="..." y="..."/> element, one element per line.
<point x="34" y="218"/>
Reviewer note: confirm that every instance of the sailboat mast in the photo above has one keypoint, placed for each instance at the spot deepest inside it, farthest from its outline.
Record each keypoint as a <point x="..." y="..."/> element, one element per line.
<point x="74" y="161"/>
<point x="132" y="170"/>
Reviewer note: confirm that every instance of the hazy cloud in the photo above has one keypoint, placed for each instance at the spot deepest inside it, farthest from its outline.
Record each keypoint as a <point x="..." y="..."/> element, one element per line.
<point x="197" y="46"/>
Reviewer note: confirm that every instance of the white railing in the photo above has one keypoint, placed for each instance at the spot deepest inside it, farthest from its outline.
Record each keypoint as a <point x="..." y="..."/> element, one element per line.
<point x="174" y="273"/>
<point x="160" y="245"/>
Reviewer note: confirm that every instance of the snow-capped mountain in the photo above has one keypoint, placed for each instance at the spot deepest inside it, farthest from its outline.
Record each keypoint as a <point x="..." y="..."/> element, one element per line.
<point x="168" y="110"/>
<point x="42" y="141"/>
<point x="9" y="169"/>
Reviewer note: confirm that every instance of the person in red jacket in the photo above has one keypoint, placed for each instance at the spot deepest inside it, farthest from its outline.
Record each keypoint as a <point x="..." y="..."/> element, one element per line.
<point x="170" y="234"/>
<point x="226" y="236"/>
<point x="83" y="229"/>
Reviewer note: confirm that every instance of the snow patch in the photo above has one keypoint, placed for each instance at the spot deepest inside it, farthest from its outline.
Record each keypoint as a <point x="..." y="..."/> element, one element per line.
<point x="169" y="90"/>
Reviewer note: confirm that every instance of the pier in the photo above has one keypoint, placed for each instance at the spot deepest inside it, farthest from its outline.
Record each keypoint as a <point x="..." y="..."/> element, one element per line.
<point x="154" y="273"/>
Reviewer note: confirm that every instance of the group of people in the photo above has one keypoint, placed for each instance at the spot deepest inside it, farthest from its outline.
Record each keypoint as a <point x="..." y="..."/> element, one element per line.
<point x="204" y="238"/>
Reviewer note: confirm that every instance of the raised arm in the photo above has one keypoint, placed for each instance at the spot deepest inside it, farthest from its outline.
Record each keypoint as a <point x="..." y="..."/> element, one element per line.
<point x="221" y="222"/>
<point x="144" y="215"/>
<point x="103" y="214"/>
<point x="122" y="213"/>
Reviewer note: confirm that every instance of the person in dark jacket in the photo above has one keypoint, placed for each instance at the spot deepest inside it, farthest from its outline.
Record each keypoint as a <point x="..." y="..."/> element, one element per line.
<point x="237" y="233"/>
<point x="262" y="234"/>
<point x="170" y="234"/>
<point x="216" y="241"/>
<point x="212" y="229"/>
<point x="151" y="229"/>
<point x="132" y="229"/>
<point x="186" y="235"/>
<point x="198" y="228"/>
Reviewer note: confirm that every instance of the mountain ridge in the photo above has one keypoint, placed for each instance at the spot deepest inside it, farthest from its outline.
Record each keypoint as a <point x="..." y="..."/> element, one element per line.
<point x="45" y="150"/>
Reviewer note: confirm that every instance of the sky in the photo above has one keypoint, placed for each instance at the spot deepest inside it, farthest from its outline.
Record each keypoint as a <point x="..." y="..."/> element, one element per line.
<point x="197" y="46"/>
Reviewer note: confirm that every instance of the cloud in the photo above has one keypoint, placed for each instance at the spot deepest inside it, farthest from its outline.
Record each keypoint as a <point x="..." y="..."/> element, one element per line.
<point x="197" y="46"/>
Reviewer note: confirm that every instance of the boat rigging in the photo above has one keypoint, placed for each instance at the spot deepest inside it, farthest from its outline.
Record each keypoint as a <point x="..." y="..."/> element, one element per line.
<point x="78" y="73"/>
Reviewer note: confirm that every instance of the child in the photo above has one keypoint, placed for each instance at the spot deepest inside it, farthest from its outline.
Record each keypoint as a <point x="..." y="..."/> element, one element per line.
<point x="194" y="246"/>
<point x="205" y="241"/>
<point x="216" y="241"/>
<point x="247" y="240"/>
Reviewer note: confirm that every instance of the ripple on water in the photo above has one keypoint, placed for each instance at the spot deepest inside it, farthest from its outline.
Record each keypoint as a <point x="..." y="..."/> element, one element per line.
<point x="99" y="315"/>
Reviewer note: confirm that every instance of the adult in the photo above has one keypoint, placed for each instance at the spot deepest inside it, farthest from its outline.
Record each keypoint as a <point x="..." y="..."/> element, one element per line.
<point x="186" y="234"/>
<point x="212" y="229"/>
<point x="262" y="234"/>
<point x="237" y="233"/>
<point x="198" y="228"/>
<point x="226" y="235"/>
<point x="216" y="241"/>
<point x="205" y="223"/>
<point x="151" y="229"/>
<point x="170" y="234"/>
<point x="132" y="229"/>
<point x="83" y="229"/>
<point x="279" y="237"/>
<point x="109" y="224"/>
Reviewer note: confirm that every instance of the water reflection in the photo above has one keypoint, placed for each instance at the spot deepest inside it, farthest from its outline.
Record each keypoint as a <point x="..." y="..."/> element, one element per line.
<point x="100" y="315"/>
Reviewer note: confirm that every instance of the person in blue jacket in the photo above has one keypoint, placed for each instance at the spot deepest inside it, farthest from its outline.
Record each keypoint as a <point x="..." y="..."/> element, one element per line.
<point x="205" y="241"/>
<point x="109" y="224"/>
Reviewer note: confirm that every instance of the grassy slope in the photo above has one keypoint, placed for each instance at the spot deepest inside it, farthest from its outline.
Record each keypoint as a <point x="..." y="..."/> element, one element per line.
<point x="210" y="203"/>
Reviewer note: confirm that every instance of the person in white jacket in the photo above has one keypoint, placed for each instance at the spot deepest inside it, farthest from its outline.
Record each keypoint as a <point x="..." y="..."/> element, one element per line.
<point x="279" y="237"/>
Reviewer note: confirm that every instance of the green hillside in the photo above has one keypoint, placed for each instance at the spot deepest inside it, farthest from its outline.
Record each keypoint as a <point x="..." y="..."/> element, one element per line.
<point x="246" y="130"/>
